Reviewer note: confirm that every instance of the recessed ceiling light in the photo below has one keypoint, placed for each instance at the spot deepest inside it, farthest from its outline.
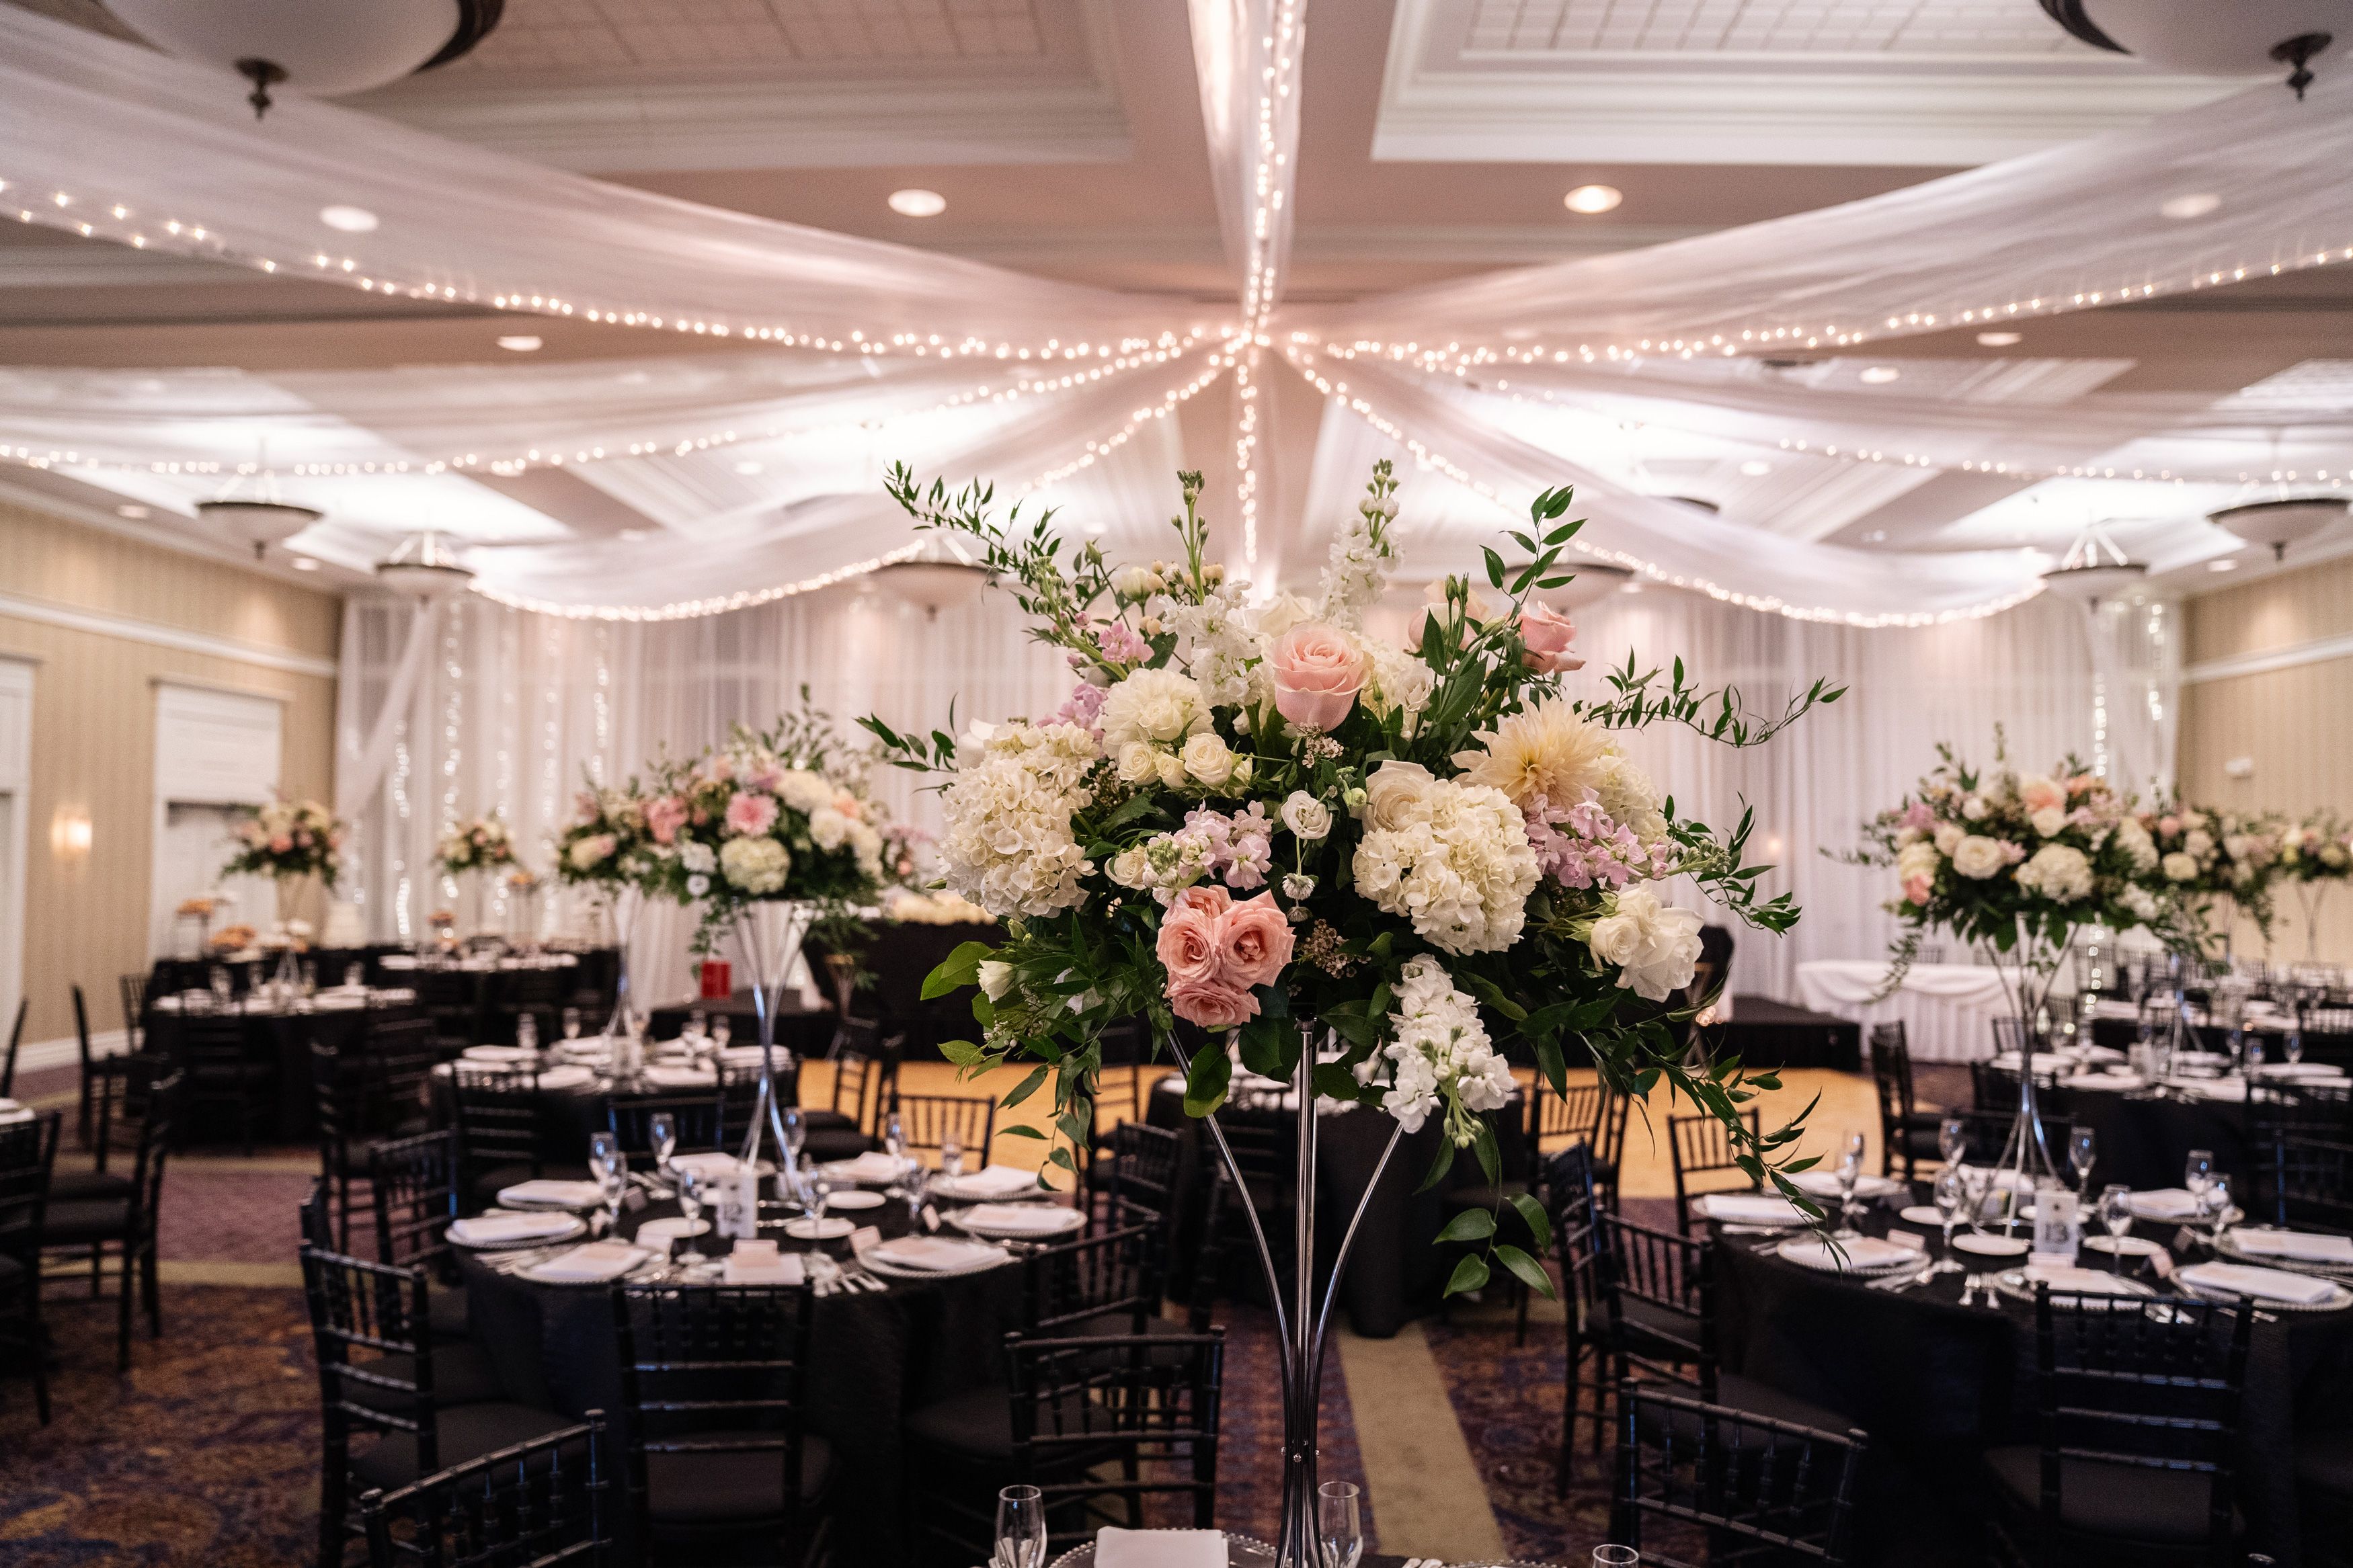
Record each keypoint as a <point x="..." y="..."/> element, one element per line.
<point x="520" y="344"/>
<point x="133" y="512"/>
<point x="304" y="564"/>
<point x="1876" y="536"/>
<point x="2225" y="563"/>
<point x="1998" y="340"/>
<point x="1590" y="199"/>
<point x="1633" y="586"/>
<point x="749" y="466"/>
<point x="634" y="534"/>
<point x="1756" y="468"/>
<point x="918" y="203"/>
<point x="1880" y="375"/>
<point x="2189" y="206"/>
<point x="351" y="220"/>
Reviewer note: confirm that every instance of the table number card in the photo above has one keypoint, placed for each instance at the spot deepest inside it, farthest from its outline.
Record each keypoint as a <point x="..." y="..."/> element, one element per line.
<point x="864" y="1238"/>
<point x="2057" y="1230"/>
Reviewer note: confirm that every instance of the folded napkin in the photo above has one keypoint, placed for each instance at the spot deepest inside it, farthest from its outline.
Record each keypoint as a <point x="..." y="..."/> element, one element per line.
<point x="1028" y="1219"/>
<point x="870" y="1166"/>
<point x="2044" y="1061"/>
<point x="10" y="1110"/>
<point x="591" y="1264"/>
<point x="1862" y="1252"/>
<point x="788" y="1269"/>
<point x="1749" y="1209"/>
<point x="2100" y="1054"/>
<point x="709" y="1165"/>
<point x="2079" y="1282"/>
<point x="497" y="1054"/>
<point x="1116" y="1548"/>
<point x="545" y="1192"/>
<point x="571" y="1075"/>
<point x="994" y="1182"/>
<point x="1825" y="1184"/>
<point x="936" y="1253"/>
<point x="499" y="1229"/>
<point x="2228" y="1089"/>
<point x="679" y="1077"/>
<point x="2164" y="1202"/>
<point x="745" y="1055"/>
<point x="2109" y="1082"/>
<point x="2300" y="1070"/>
<point x="2302" y="1246"/>
<point x="2266" y="1284"/>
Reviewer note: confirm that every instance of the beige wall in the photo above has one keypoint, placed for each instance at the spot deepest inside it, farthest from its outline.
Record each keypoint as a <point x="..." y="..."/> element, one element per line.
<point x="94" y="729"/>
<point x="2296" y="723"/>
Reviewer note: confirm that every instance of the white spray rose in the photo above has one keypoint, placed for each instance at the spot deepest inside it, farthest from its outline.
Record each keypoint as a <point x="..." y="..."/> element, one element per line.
<point x="1134" y="582"/>
<point x="2049" y="821"/>
<point x="1973" y="809"/>
<point x="1308" y="818"/>
<point x="2178" y="867"/>
<point x="996" y="979"/>
<point x="1948" y="838"/>
<point x="1654" y="946"/>
<point x="1978" y="857"/>
<point x="1208" y="759"/>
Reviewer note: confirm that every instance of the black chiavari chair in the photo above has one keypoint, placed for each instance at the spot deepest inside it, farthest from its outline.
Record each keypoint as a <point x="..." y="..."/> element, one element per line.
<point x="713" y="1377"/>
<point x="29" y="1152"/>
<point x="540" y="1503"/>
<point x="1095" y="1285"/>
<point x="2304" y="1183"/>
<point x="1760" y="1490"/>
<point x="1136" y="1174"/>
<point x="227" y="1077"/>
<point x="699" y="1120"/>
<point x="863" y="1076"/>
<point x="126" y="1221"/>
<point x="495" y="1114"/>
<point x="134" y="991"/>
<point x="413" y="1187"/>
<point x="15" y="1040"/>
<point x="95" y="1067"/>
<point x="2138" y="1408"/>
<point x="927" y="1121"/>
<point x="1103" y="1427"/>
<point x="1575" y="1209"/>
<point x="739" y="1094"/>
<point x="1906" y="1132"/>
<point x="1701" y="1147"/>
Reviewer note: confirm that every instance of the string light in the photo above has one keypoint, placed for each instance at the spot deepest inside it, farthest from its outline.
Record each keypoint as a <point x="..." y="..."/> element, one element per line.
<point x="1430" y="457"/>
<point x="1270" y="191"/>
<point x="120" y="222"/>
<point x="1169" y="402"/>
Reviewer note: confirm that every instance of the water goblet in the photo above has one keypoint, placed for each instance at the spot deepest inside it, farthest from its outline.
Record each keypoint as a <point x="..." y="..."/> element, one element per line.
<point x="611" y="1169"/>
<point x="1021" y="1528"/>
<point x="2082" y="1145"/>
<point x="894" y="1139"/>
<point x="1340" y="1523"/>
<point x="689" y="1203"/>
<point x="526" y="1032"/>
<point x="1952" y="1138"/>
<point x="795" y="1136"/>
<point x="2293" y="1046"/>
<point x="662" y="1132"/>
<point x="1609" y="1556"/>
<point x="1952" y="1192"/>
<point x="951" y="1153"/>
<point x="572" y="1022"/>
<point x="354" y="976"/>
<point x="2218" y="1207"/>
<point x="1850" y="1172"/>
<point x="2116" y="1216"/>
<point x="722" y="1029"/>
<point x="697" y="1020"/>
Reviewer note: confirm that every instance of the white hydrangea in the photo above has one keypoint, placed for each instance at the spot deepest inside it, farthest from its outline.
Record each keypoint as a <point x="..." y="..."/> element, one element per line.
<point x="1438" y="1050"/>
<point x="2139" y="900"/>
<point x="828" y="827"/>
<point x="805" y="791"/>
<point x="1152" y="707"/>
<point x="755" y="863"/>
<point x="2180" y="868"/>
<point x="2058" y="872"/>
<point x="1217" y="639"/>
<point x="2138" y="847"/>
<point x="1007" y="843"/>
<point x="1453" y="858"/>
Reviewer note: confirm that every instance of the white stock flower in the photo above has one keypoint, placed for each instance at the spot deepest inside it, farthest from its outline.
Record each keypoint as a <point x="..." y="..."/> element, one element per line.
<point x="1154" y="706"/>
<point x="1308" y="818"/>
<point x="2049" y="821"/>
<point x="2058" y="872"/>
<point x="1208" y="759"/>
<point x="1948" y="838"/>
<point x="2180" y="866"/>
<point x="1627" y="794"/>
<point x="1654" y="946"/>
<point x="1978" y="857"/>
<point x="2139" y="900"/>
<point x="755" y="863"/>
<point x="1437" y="1045"/>
<point x="1214" y="640"/>
<point x="1454" y="860"/>
<point x="1006" y="842"/>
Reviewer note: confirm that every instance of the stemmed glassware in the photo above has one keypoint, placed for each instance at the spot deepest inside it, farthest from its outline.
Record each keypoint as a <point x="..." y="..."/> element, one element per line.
<point x="795" y="1136"/>
<point x="527" y="1033"/>
<point x="572" y="1022"/>
<point x="1850" y="1172"/>
<point x="1952" y="1138"/>
<point x="2292" y="1047"/>
<point x="1952" y="1194"/>
<point x="662" y="1131"/>
<point x="2198" y="1176"/>
<point x="894" y="1140"/>
<point x="2218" y="1208"/>
<point x="2082" y="1145"/>
<point x="1021" y="1529"/>
<point x="689" y="1203"/>
<point x="722" y="1029"/>
<point x="2116" y="1216"/>
<point x="1615" y="1557"/>
<point x="611" y="1169"/>
<point x="951" y="1153"/>
<point x="1339" y="1523"/>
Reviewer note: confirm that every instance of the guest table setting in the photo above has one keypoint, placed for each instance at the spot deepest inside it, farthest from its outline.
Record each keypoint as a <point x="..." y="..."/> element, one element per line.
<point x="281" y="1023"/>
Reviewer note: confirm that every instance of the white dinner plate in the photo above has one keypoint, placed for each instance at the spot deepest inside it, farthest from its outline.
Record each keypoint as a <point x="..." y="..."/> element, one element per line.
<point x="1241" y="1552"/>
<point x="1064" y="1222"/>
<point x="1921" y="1214"/>
<point x="573" y="1227"/>
<point x="662" y="1232"/>
<point x="2130" y="1246"/>
<point x="2014" y="1283"/>
<point x="1991" y="1246"/>
<point x="856" y="1198"/>
<point x="811" y="1228"/>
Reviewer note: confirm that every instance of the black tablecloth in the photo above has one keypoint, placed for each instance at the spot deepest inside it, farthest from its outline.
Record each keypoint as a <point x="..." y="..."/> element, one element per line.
<point x="803" y="1031"/>
<point x="1763" y="1033"/>
<point x="897" y="956"/>
<point x="872" y="1360"/>
<point x="567" y="1117"/>
<point x="1934" y="1383"/>
<point x="2144" y="1142"/>
<point x="2335" y="1050"/>
<point x="284" y="1039"/>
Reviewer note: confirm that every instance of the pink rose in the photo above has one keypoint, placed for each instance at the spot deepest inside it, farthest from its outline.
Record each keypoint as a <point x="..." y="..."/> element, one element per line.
<point x="665" y="816"/>
<point x="281" y="845"/>
<point x="2043" y="794"/>
<point x="1546" y="634"/>
<point x="1916" y="890"/>
<point x="1255" y="942"/>
<point x="1189" y="946"/>
<point x="751" y="814"/>
<point x="1317" y="674"/>
<point x="2169" y="825"/>
<point x="1212" y="1004"/>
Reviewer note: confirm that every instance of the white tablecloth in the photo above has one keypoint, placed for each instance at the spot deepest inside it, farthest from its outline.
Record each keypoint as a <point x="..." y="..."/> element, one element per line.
<point x="1947" y="1009"/>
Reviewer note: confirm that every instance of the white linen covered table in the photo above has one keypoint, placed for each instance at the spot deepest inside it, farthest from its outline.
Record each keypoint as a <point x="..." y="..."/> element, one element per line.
<point x="1947" y="1009"/>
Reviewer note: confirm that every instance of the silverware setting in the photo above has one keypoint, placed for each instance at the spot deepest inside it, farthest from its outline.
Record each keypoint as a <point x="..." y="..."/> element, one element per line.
<point x="1894" y="1284"/>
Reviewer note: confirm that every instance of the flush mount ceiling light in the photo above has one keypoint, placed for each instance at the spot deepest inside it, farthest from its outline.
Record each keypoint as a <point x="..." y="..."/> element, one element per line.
<point x="260" y="523"/>
<point x="2203" y="37"/>
<point x="748" y="467"/>
<point x="314" y="49"/>
<point x="2094" y="569"/>
<point x="1880" y="375"/>
<point x="1756" y="468"/>
<point x="918" y="203"/>
<point x="2280" y="523"/>
<point x="350" y="220"/>
<point x="940" y="577"/>
<point x="2223" y="563"/>
<point x="133" y="512"/>
<point x="424" y="568"/>
<point x="520" y="344"/>
<point x="1591" y="199"/>
<point x="1998" y="340"/>
<point x="2183" y="208"/>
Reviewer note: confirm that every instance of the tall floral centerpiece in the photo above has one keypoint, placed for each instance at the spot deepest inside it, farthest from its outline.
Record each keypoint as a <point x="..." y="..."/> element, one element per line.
<point x="2314" y="855"/>
<point x="294" y="842"/>
<point x="1355" y="867"/>
<point x="2218" y="864"/>
<point x="2018" y="866"/>
<point x="770" y="834"/>
<point x="475" y="850"/>
<point x="606" y="847"/>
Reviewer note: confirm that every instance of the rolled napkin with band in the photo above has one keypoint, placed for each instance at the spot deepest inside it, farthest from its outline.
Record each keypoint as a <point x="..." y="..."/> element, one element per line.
<point x="1116" y="1548"/>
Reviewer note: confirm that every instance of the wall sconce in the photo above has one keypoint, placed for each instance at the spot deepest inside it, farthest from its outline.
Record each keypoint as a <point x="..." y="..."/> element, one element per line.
<point x="70" y="833"/>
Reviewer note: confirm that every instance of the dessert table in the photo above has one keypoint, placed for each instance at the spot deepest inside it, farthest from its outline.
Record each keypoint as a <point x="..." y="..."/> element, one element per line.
<point x="1947" y="1009"/>
<point x="282" y="1032"/>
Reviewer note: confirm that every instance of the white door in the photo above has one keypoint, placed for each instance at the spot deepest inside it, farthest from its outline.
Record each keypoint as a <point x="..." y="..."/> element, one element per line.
<point x="15" y="776"/>
<point x="216" y="752"/>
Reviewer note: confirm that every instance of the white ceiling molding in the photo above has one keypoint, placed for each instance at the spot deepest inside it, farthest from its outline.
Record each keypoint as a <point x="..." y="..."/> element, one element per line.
<point x="781" y="124"/>
<point x="2267" y="660"/>
<point x="99" y="624"/>
<point x="1444" y="101"/>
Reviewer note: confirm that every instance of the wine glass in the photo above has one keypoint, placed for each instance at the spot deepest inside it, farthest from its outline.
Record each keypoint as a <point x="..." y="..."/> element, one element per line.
<point x="1340" y="1523"/>
<point x="2198" y="1176"/>
<point x="951" y="1153"/>
<point x="527" y="1033"/>
<point x="795" y="1136"/>
<point x="696" y="1021"/>
<point x="1850" y="1172"/>
<point x="662" y="1132"/>
<point x="572" y="1022"/>
<point x="689" y="1201"/>
<point x="1952" y="1194"/>
<point x="1977" y="1182"/>
<point x="2292" y="1047"/>
<point x="894" y="1139"/>
<point x="1952" y="1138"/>
<point x="1608" y="1556"/>
<point x="354" y="976"/>
<point x="1021" y="1529"/>
<point x="722" y="1029"/>
<point x="2217" y="1207"/>
<point x="820" y="1193"/>
<point x="611" y="1169"/>
<point x="2083" y="1144"/>
<point x="2116" y="1216"/>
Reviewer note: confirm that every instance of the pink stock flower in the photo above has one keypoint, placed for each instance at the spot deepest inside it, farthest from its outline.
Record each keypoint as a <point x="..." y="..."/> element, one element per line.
<point x="1917" y="817"/>
<point x="1317" y="674"/>
<point x="1546" y="634"/>
<point x="1121" y="644"/>
<point x="1254" y="940"/>
<point x="764" y="775"/>
<point x="1082" y="708"/>
<point x="665" y="814"/>
<point x="751" y="814"/>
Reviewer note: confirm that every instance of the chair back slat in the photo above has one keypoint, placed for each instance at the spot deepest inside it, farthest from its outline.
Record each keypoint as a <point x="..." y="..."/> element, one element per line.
<point x="1706" y="1160"/>
<point x="1103" y="1427"/>
<point x="926" y="1119"/>
<point x="28" y="1154"/>
<point x="538" y="1504"/>
<point x="496" y="1116"/>
<point x="1674" y="1277"/>
<point x="1758" y="1490"/>
<point x="1066" y="1284"/>
<point x="413" y="1183"/>
<point x="699" y="1117"/>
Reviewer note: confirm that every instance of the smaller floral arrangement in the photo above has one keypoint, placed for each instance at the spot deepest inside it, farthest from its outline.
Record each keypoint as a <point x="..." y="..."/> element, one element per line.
<point x="606" y="843"/>
<point x="2317" y="850"/>
<point x="287" y="838"/>
<point x="941" y="908"/>
<point x="2208" y="856"/>
<point x="523" y="880"/>
<point x="481" y="844"/>
<point x="232" y="938"/>
<point x="198" y="909"/>
<point x="287" y="936"/>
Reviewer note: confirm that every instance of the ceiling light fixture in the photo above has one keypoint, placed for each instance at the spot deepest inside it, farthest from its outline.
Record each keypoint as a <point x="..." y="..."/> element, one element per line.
<point x="2223" y="563"/>
<point x="425" y="568"/>
<point x="748" y="467"/>
<point x="350" y="220"/>
<point x="319" y="50"/>
<point x="2246" y="38"/>
<point x="918" y="202"/>
<point x="2182" y="208"/>
<point x="2093" y="568"/>
<point x="1756" y="468"/>
<point x="940" y="576"/>
<point x="133" y="512"/>
<point x="304" y="564"/>
<point x="2280" y="523"/>
<point x="1592" y="199"/>
<point x="1998" y="340"/>
<point x="1880" y="375"/>
<point x="1594" y="582"/>
<point x="521" y="343"/>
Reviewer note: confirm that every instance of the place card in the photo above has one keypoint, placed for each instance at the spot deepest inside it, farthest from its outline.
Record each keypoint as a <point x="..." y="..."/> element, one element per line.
<point x="864" y="1237"/>
<point x="931" y="1217"/>
<point x="1910" y="1238"/>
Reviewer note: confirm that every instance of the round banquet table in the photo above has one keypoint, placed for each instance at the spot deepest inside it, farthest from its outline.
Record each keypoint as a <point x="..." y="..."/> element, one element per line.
<point x="283" y="1032"/>
<point x="2143" y="1140"/>
<point x="804" y="1030"/>
<point x="873" y="1358"/>
<point x="2117" y="1026"/>
<point x="1947" y="1009"/>
<point x="570" y="1112"/>
<point x="1934" y="1383"/>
